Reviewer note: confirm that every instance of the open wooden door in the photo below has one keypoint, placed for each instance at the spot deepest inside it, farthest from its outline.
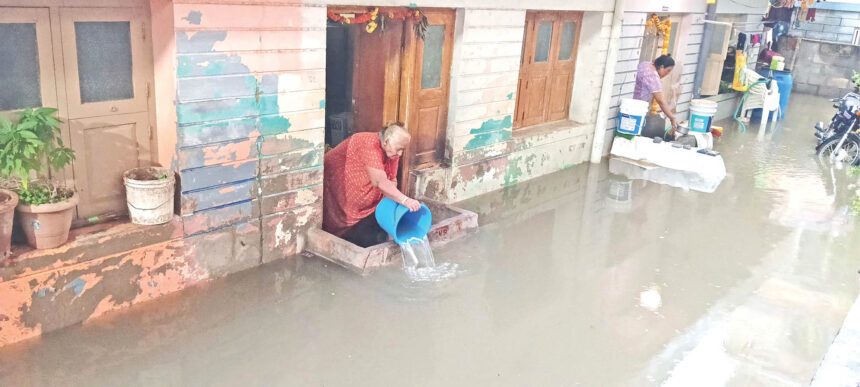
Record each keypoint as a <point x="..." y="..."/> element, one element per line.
<point x="376" y="76"/>
<point x="427" y="117"/>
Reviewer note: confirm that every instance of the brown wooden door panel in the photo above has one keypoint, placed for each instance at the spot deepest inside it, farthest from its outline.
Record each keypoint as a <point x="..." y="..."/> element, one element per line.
<point x="559" y="97"/>
<point x="427" y="128"/>
<point x="105" y="148"/>
<point x="547" y="69"/>
<point x="534" y="109"/>
<point x="428" y="118"/>
<point x="368" y="92"/>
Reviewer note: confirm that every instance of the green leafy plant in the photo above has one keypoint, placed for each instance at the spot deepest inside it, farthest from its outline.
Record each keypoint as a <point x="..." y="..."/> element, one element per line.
<point x="33" y="147"/>
<point x="856" y="80"/>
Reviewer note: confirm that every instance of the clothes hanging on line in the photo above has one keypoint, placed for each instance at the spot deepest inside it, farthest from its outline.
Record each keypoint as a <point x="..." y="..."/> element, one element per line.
<point x="755" y="40"/>
<point x="740" y="65"/>
<point x="780" y="29"/>
<point x="742" y="41"/>
<point x="779" y="14"/>
<point x="810" y="15"/>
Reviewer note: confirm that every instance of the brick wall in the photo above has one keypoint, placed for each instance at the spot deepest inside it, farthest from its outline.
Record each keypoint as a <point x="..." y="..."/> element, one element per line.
<point x="824" y="69"/>
<point x="250" y="98"/>
<point x="829" y="25"/>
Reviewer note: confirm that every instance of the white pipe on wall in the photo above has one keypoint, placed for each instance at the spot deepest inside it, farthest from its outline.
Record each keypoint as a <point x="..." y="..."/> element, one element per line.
<point x="608" y="78"/>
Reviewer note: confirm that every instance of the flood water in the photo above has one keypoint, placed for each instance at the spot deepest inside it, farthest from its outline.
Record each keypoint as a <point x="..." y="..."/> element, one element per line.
<point x="581" y="278"/>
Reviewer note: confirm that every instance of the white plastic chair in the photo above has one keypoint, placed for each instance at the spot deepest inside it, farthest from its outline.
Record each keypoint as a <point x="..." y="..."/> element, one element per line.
<point x="759" y="96"/>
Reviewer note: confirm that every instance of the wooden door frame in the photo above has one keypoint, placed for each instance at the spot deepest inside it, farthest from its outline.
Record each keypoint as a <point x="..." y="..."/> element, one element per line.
<point x="407" y="77"/>
<point x="410" y="79"/>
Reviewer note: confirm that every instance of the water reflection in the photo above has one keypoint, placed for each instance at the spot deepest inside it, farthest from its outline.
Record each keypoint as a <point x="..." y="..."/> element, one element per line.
<point x="582" y="277"/>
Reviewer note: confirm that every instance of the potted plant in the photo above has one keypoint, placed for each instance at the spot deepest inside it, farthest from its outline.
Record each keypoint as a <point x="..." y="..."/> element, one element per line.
<point x="33" y="148"/>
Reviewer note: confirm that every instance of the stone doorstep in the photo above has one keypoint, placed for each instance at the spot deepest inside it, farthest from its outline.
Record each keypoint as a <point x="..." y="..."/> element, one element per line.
<point x="455" y="224"/>
<point x="85" y="244"/>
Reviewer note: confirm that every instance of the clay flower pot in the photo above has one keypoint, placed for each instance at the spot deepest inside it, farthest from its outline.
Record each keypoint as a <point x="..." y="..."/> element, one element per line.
<point x="47" y="225"/>
<point x="8" y="201"/>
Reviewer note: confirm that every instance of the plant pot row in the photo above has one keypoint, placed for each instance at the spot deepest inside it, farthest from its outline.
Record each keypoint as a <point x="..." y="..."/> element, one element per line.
<point x="31" y="146"/>
<point x="149" y="194"/>
<point x="45" y="225"/>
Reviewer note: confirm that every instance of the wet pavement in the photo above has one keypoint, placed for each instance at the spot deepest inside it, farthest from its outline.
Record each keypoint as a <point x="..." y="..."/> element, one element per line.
<point x="578" y="278"/>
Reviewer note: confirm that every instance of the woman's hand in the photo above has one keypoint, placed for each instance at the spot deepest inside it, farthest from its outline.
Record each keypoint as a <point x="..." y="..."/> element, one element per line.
<point x="412" y="204"/>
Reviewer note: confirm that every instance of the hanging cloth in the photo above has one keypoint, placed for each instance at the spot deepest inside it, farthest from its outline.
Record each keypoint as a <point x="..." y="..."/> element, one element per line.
<point x="810" y="15"/>
<point x="740" y="65"/>
<point x="742" y="41"/>
<point x="755" y="40"/>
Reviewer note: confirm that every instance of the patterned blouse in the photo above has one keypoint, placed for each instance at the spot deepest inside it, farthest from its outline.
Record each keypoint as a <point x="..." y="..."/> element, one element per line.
<point x="348" y="195"/>
<point x="647" y="82"/>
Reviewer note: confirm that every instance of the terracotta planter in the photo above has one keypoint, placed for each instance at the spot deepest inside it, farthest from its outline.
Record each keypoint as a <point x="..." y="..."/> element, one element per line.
<point x="8" y="201"/>
<point x="47" y="225"/>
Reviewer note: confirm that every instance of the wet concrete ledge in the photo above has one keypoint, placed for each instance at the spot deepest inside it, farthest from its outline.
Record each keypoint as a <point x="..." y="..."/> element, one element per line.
<point x="449" y="223"/>
<point x="86" y="244"/>
<point x="112" y="266"/>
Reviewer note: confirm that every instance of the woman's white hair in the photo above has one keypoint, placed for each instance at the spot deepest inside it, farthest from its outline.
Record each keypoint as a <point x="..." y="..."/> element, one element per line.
<point x="396" y="135"/>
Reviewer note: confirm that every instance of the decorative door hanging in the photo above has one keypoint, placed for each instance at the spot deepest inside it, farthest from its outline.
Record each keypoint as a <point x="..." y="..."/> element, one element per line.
<point x="374" y="17"/>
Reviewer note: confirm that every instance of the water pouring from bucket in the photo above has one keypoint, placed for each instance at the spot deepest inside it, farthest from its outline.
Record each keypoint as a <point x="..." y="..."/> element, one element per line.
<point x="409" y="230"/>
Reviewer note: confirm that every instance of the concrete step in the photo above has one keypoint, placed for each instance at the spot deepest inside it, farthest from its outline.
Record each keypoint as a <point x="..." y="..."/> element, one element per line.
<point x="449" y="223"/>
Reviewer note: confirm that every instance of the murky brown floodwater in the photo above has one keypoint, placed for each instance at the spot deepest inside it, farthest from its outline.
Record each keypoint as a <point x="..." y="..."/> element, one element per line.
<point x="580" y="278"/>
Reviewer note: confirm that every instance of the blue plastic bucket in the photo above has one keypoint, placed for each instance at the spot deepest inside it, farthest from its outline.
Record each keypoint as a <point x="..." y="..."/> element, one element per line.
<point x="401" y="223"/>
<point x="702" y="113"/>
<point x="700" y="123"/>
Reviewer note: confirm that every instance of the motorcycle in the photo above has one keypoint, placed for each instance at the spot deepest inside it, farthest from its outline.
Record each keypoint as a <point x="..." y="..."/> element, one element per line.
<point x="839" y="142"/>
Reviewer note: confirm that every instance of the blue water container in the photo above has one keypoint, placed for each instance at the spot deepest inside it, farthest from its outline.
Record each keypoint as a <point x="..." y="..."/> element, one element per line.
<point x="401" y="223"/>
<point x="785" y="82"/>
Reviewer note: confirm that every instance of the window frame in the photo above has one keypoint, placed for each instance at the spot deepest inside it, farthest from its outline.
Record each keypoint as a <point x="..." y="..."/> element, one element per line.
<point x="40" y="17"/>
<point x="548" y="71"/>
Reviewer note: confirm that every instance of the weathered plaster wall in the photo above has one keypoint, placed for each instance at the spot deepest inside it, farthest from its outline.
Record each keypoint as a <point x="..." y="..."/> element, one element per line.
<point x="250" y="101"/>
<point x="686" y="58"/>
<point x="485" y="153"/>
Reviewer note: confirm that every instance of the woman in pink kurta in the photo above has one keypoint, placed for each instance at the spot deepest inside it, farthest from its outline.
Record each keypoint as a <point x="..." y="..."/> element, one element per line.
<point x="359" y="172"/>
<point x="649" y="86"/>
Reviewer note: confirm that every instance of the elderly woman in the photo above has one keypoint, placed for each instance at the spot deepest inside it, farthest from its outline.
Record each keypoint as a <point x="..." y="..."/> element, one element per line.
<point x="649" y="87"/>
<point x="358" y="174"/>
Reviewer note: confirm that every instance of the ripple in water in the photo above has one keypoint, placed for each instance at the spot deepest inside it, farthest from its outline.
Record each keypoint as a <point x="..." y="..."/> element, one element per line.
<point x="419" y="264"/>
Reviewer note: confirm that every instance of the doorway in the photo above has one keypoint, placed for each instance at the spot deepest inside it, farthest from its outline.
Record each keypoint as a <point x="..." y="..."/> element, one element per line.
<point x="652" y="47"/>
<point x="391" y="75"/>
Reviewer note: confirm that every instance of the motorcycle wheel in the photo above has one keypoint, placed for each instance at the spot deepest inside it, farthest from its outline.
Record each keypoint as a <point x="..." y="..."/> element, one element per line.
<point x="848" y="154"/>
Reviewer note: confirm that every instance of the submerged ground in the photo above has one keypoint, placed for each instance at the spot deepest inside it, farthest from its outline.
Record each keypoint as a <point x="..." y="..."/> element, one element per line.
<point x="579" y="278"/>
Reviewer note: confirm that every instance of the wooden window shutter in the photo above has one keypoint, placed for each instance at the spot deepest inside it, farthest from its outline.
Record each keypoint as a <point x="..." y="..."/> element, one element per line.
<point x="548" y="62"/>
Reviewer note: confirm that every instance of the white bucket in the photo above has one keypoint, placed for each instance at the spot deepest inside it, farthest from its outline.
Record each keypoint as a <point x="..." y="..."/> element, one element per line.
<point x="149" y="193"/>
<point x="702" y="113"/>
<point x="631" y="116"/>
